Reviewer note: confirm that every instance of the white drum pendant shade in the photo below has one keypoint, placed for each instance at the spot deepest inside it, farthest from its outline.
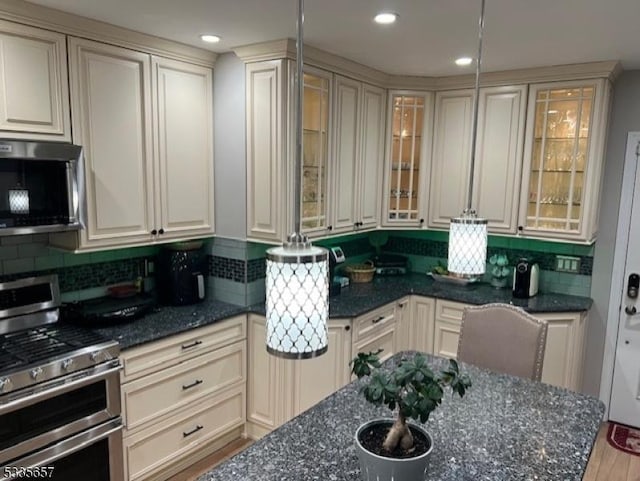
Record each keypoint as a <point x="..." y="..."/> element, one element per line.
<point x="297" y="304"/>
<point x="467" y="246"/>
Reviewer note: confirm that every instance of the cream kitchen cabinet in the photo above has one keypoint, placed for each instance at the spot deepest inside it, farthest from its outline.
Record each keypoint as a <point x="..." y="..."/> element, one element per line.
<point x="316" y="127"/>
<point x="408" y="154"/>
<point x="563" y="158"/>
<point x="341" y="172"/>
<point x="279" y="389"/>
<point x="269" y="148"/>
<point x="182" y="398"/>
<point x="423" y="323"/>
<point x="564" y="352"/>
<point x="34" y="92"/>
<point x="500" y="138"/>
<point x="358" y="154"/>
<point x="146" y="127"/>
<point x="376" y="330"/>
<point x="415" y="324"/>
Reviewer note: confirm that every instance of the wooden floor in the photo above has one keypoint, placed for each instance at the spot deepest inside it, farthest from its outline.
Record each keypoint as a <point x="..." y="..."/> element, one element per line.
<point x="610" y="464"/>
<point x="606" y="462"/>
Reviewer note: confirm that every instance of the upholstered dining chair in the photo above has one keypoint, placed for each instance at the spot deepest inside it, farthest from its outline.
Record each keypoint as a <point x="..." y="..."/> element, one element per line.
<point x="503" y="338"/>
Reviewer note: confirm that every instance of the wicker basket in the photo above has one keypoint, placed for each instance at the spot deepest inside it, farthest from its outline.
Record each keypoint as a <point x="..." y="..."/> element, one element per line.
<point x="361" y="272"/>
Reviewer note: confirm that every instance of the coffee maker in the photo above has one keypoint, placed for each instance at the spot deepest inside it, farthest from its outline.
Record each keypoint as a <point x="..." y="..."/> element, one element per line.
<point x="525" y="279"/>
<point x="181" y="274"/>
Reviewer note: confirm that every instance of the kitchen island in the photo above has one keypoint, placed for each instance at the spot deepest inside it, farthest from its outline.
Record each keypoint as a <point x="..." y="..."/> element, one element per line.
<point x="505" y="428"/>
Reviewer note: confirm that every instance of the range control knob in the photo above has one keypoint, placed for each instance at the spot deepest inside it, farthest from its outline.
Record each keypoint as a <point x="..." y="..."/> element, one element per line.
<point x="67" y="364"/>
<point x="35" y="373"/>
<point x="5" y="383"/>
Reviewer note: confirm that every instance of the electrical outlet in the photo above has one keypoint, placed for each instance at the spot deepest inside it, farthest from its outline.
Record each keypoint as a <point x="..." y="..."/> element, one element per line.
<point x="568" y="264"/>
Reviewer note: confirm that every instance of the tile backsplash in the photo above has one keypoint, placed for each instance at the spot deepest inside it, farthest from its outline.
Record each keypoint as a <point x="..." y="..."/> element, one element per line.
<point x="237" y="267"/>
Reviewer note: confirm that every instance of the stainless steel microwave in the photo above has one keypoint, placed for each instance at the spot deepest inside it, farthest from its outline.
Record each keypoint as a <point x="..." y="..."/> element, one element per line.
<point x="41" y="185"/>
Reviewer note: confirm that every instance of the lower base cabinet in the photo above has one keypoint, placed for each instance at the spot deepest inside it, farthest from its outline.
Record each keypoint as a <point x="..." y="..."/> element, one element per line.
<point x="183" y="398"/>
<point x="279" y="389"/>
<point x="564" y="352"/>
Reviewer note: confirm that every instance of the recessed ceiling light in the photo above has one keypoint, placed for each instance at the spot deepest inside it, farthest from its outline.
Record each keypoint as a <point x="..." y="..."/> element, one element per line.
<point x="385" y="18"/>
<point x="464" y="61"/>
<point x="210" y="38"/>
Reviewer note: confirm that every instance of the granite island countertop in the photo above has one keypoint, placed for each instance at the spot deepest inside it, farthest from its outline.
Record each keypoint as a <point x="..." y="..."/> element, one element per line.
<point x="505" y="428"/>
<point x="353" y="301"/>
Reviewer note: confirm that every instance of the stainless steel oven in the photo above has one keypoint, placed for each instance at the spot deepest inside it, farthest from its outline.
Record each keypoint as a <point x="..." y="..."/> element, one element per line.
<point x="59" y="393"/>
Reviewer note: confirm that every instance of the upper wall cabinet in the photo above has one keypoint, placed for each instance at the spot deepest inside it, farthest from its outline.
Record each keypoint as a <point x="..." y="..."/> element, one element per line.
<point x="183" y="127"/>
<point x="34" y="98"/>
<point x="343" y="129"/>
<point x="268" y="177"/>
<point x="315" y="157"/>
<point x="407" y="167"/>
<point x="500" y="136"/>
<point x="358" y="154"/>
<point x="563" y="159"/>
<point x="146" y="127"/>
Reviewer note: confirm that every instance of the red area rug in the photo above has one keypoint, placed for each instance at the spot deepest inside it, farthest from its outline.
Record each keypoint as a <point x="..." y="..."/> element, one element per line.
<point x="624" y="438"/>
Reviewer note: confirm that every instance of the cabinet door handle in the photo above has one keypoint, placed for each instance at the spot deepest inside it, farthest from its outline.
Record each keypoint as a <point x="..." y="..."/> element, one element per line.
<point x="154" y="232"/>
<point x="377" y="320"/>
<point x="195" y="383"/>
<point x="193" y="344"/>
<point x="193" y="431"/>
<point x="161" y="231"/>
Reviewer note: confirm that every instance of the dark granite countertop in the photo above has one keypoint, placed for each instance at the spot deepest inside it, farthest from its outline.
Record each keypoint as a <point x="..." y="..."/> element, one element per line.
<point x="354" y="300"/>
<point x="505" y="428"/>
<point x="357" y="299"/>
<point x="169" y="320"/>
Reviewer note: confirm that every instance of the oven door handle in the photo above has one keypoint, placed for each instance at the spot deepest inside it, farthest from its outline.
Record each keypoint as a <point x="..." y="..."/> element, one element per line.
<point x="27" y="397"/>
<point x="68" y="446"/>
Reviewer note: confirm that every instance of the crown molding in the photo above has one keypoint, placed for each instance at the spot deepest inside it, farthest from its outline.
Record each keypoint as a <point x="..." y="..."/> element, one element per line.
<point x="62" y="22"/>
<point x="285" y="48"/>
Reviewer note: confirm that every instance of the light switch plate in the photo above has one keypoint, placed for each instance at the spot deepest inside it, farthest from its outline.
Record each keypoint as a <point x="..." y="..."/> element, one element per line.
<point x="568" y="264"/>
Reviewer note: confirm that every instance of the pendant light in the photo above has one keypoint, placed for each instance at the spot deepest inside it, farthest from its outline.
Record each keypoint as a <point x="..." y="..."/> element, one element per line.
<point x="297" y="282"/>
<point x="468" y="233"/>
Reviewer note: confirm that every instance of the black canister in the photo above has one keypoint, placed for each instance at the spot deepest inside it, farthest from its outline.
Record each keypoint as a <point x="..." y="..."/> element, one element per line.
<point x="181" y="273"/>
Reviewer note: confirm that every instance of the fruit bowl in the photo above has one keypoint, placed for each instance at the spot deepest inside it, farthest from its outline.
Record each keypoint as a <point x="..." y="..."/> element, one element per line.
<point x="449" y="279"/>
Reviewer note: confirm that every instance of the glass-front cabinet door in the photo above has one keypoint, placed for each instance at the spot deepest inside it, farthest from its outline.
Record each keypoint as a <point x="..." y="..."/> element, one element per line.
<point x="407" y="162"/>
<point x="563" y="158"/>
<point x="315" y="125"/>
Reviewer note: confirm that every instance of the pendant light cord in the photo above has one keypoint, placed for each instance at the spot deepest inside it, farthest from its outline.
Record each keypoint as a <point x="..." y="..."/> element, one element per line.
<point x="299" y="100"/>
<point x="476" y="102"/>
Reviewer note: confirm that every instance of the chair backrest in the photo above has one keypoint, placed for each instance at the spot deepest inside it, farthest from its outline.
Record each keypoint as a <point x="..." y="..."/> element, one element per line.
<point x="503" y="338"/>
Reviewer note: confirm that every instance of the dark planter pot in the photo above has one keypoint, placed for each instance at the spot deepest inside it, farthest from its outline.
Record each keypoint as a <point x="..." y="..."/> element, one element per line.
<point x="380" y="468"/>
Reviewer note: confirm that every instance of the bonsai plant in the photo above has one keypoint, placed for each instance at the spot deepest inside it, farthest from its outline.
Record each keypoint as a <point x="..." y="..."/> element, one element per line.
<point x="394" y="449"/>
<point x="499" y="270"/>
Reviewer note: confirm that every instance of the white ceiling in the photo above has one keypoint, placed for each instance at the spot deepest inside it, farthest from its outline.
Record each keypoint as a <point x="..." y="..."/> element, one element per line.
<point x="427" y="37"/>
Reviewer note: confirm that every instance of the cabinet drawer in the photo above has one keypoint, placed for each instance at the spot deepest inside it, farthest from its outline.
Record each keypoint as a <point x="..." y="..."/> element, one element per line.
<point x="155" y="448"/>
<point x="159" y="355"/>
<point x="385" y="340"/>
<point x="373" y="322"/>
<point x="162" y="393"/>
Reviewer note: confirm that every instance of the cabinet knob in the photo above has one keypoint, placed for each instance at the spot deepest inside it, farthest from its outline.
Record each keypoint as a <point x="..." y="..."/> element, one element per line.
<point x="520" y="228"/>
<point x="347" y="328"/>
<point x="421" y="221"/>
<point x="329" y="227"/>
<point x="161" y="231"/>
<point x="154" y="232"/>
